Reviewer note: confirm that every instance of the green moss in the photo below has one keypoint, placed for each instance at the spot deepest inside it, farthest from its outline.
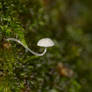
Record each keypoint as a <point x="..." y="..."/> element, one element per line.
<point x="68" y="23"/>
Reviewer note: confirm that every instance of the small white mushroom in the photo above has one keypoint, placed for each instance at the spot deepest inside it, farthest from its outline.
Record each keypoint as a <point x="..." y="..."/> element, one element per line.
<point x="45" y="42"/>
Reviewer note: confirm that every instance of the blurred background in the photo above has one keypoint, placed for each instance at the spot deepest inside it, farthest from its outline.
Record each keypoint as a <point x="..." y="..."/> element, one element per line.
<point x="66" y="67"/>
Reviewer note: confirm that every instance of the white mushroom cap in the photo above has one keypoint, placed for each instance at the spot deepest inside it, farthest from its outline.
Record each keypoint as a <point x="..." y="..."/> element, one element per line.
<point x="45" y="42"/>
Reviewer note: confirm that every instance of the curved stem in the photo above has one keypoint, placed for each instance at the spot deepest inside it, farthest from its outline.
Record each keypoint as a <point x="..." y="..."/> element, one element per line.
<point x="37" y="54"/>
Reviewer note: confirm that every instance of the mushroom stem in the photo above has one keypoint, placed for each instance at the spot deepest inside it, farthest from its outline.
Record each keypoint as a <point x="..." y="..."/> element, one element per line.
<point x="37" y="54"/>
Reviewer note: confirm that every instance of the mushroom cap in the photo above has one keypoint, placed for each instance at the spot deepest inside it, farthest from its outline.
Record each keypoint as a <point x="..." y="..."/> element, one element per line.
<point x="45" y="42"/>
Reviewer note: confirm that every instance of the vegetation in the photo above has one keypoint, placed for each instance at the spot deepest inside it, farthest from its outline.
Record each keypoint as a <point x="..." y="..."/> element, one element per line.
<point x="66" y="67"/>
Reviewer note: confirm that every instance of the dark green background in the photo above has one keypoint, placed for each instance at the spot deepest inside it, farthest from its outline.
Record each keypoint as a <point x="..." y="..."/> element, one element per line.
<point x="68" y="23"/>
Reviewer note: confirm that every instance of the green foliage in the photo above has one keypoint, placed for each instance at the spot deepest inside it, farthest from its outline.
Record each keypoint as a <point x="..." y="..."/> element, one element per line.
<point x="68" y="23"/>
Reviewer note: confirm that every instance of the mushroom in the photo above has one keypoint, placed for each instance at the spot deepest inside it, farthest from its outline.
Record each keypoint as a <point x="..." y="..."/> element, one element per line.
<point x="45" y="42"/>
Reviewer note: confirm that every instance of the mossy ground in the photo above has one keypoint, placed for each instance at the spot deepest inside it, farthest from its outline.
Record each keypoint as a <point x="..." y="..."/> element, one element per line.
<point x="66" y="67"/>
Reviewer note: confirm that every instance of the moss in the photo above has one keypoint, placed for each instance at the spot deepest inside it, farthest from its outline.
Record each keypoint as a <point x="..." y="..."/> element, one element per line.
<point x="68" y="24"/>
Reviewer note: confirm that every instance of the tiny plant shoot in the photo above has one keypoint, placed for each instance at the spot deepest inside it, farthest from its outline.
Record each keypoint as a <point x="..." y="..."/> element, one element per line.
<point x="45" y="42"/>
